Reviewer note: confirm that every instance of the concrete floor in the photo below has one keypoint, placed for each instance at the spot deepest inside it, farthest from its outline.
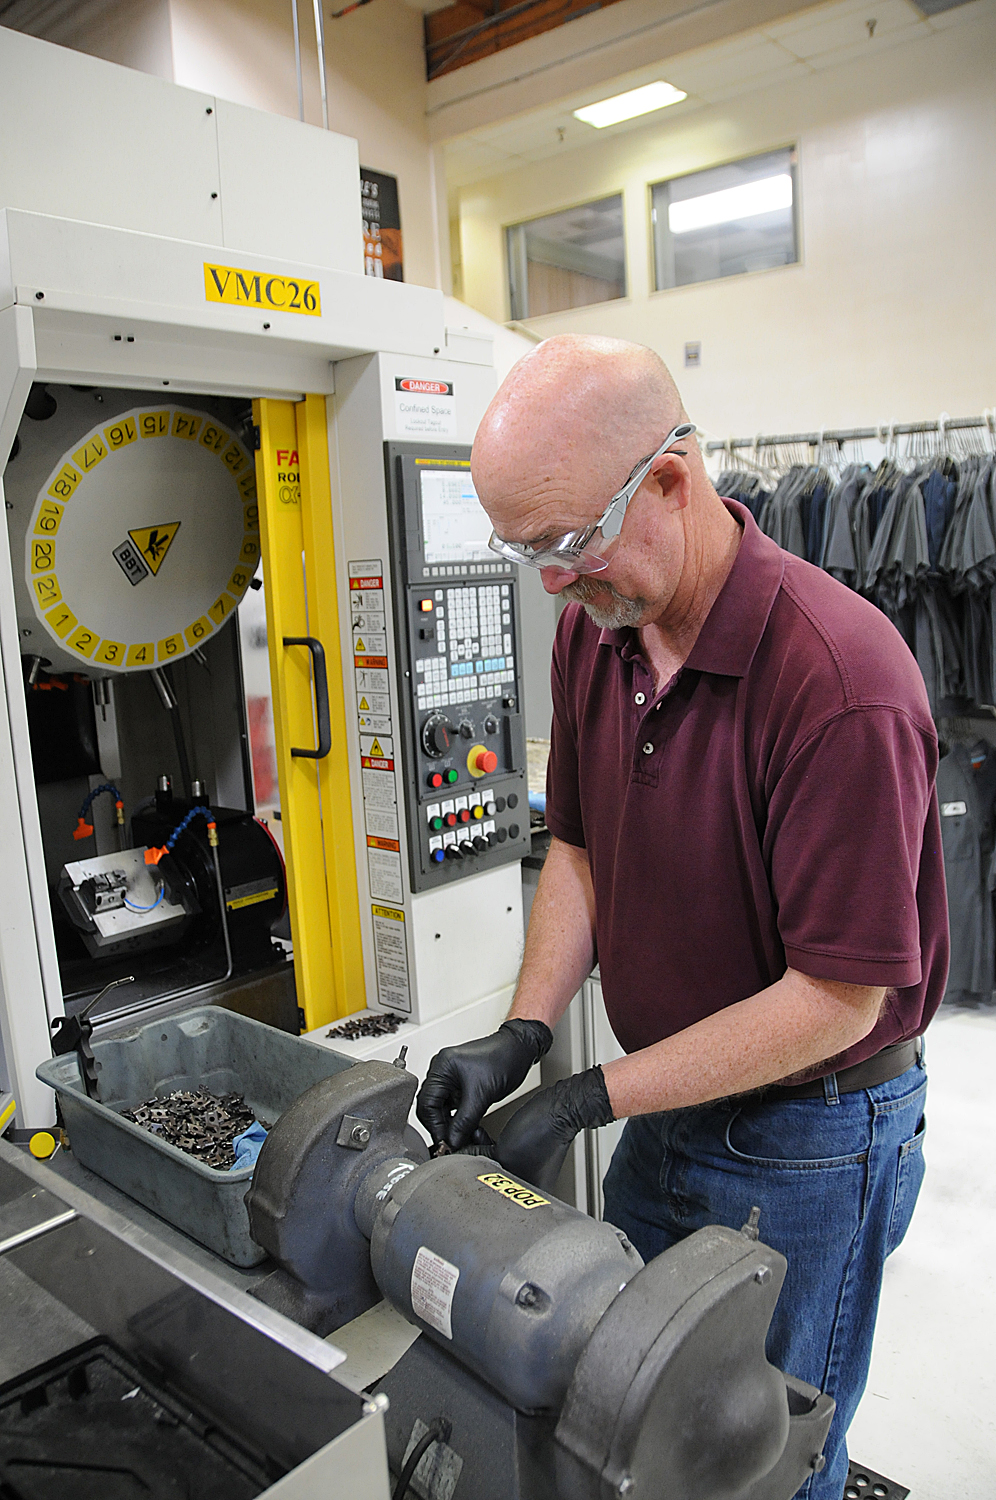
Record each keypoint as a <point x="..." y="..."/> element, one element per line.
<point x="928" y="1418"/>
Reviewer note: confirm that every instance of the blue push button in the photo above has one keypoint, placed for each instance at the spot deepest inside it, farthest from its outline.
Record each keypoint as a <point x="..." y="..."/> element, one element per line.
<point x="438" y="855"/>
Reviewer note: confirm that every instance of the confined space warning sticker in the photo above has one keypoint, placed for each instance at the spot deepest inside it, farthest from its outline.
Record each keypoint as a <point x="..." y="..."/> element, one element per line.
<point x="434" y="1281"/>
<point x="525" y="1197"/>
<point x="424" y="408"/>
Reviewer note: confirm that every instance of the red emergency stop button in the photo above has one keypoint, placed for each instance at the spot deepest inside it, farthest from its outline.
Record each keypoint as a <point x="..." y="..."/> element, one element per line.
<point x="481" y="761"/>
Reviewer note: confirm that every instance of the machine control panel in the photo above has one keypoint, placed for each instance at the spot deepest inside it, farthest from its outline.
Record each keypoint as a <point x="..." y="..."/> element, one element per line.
<point x="458" y="642"/>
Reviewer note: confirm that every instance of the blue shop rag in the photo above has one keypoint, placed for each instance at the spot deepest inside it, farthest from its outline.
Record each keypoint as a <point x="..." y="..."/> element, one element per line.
<point x="246" y="1146"/>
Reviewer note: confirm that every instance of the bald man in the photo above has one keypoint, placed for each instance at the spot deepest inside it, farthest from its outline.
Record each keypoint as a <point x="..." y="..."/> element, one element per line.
<point x="745" y="839"/>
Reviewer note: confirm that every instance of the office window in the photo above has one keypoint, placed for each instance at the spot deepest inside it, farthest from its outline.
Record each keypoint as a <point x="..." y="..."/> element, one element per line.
<point x="741" y="217"/>
<point x="570" y="259"/>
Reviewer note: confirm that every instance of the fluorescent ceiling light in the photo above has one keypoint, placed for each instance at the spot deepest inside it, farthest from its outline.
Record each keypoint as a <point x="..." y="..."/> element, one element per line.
<point x="761" y="197"/>
<point x="627" y="106"/>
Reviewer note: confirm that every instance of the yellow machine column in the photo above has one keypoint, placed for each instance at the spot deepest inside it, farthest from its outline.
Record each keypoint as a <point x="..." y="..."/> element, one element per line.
<point x="292" y="469"/>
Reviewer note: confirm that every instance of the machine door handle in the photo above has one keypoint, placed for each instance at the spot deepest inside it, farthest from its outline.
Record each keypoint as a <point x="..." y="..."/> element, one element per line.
<point x="321" y="695"/>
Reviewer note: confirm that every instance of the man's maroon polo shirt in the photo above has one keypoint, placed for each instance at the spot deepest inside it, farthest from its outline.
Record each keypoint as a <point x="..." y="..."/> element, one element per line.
<point x="773" y="806"/>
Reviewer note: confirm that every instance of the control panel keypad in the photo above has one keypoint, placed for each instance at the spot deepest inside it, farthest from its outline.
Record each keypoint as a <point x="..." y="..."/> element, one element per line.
<point x="473" y="655"/>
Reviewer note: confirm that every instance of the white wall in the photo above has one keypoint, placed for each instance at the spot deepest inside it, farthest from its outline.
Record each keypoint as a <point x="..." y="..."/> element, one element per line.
<point x="890" y="315"/>
<point x="243" y="51"/>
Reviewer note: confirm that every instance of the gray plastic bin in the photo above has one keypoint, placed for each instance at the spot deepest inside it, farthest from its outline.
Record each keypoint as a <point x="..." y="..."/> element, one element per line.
<point x="211" y="1047"/>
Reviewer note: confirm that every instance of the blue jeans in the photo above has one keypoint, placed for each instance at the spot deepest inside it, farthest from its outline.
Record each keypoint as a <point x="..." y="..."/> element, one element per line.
<point x="836" y="1180"/>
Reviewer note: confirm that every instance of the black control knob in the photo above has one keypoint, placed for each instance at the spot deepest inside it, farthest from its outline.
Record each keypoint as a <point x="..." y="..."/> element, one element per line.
<point x="466" y="847"/>
<point x="437" y="736"/>
<point x="491" y="725"/>
<point x="513" y="830"/>
<point x="467" y="729"/>
<point x="502" y="835"/>
<point x="493" y="840"/>
<point x="452" y="852"/>
<point x="513" y="801"/>
<point x="480" y="844"/>
<point x="499" y="804"/>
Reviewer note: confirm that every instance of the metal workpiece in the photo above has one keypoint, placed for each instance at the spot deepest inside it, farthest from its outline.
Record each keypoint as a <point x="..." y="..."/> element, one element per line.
<point x="301" y="1203"/>
<point x="531" y="1276"/>
<point x="675" y="1382"/>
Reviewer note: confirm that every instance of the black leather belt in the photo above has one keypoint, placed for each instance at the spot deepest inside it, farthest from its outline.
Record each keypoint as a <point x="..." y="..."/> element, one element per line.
<point x="882" y="1068"/>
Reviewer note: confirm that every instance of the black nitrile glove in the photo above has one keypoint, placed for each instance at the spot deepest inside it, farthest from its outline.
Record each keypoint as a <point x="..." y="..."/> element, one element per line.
<point x="536" y="1139"/>
<point x="463" y="1082"/>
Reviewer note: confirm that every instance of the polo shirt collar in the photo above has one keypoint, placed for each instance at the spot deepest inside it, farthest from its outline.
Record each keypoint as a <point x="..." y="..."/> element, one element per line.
<point x="733" y="627"/>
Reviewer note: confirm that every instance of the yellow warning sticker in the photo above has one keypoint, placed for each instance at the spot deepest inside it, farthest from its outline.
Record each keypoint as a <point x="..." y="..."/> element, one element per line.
<point x="237" y="287"/>
<point x="360" y="647"/>
<point x="154" y="542"/>
<point x="364" y="705"/>
<point x="375" y="748"/>
<point x="388" y="911"/>
<point x="525" y="1197"/>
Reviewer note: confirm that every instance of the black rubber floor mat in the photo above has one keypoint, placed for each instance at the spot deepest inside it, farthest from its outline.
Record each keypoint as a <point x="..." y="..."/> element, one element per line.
<point x="865" y="1484"/>
<point x="90" y="1424"/>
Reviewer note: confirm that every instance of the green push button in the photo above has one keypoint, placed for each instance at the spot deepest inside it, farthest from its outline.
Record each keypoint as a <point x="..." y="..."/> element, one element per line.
<point x="452" y="776"/>
<point x="435" y="824"/>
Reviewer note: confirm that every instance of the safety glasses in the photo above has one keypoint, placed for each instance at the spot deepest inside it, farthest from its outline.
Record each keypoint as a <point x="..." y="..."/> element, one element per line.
<point x="580" y="551"/>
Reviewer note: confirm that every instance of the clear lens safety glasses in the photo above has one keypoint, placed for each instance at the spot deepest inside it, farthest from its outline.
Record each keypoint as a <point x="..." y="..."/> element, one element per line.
<point x="580" y="551"/>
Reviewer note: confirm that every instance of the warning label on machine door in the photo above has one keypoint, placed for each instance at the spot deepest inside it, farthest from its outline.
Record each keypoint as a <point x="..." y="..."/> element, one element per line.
<point x="391" y="954"/>
<point x="374" y="725"/>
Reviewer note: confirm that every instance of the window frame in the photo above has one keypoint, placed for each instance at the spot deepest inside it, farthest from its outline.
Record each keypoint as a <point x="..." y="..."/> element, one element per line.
<point x="730" y="161"/>
<point x="549" y="213"/>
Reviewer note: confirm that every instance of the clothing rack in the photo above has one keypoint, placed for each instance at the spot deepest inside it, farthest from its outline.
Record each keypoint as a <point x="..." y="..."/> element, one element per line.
<point x="883" y="434"/>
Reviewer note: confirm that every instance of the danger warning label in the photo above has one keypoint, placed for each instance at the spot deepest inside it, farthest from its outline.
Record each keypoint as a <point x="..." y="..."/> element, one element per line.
<point x="153" y="542"/>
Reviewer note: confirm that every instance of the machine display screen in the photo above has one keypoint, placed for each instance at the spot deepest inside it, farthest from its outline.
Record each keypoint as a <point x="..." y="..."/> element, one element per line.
<point x="454" y="523"/>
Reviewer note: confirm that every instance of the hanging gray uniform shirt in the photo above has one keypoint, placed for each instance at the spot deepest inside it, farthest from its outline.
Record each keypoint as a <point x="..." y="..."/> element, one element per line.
<point x="966" y="798"/>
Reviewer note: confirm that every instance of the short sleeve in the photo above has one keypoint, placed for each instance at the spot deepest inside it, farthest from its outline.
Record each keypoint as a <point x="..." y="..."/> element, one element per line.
<point x="563" y="788"/>
<point x="843" y="844"/>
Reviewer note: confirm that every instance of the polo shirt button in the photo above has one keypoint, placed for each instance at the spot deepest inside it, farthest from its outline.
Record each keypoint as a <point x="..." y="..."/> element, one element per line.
<point x="648" y="748"/>
<point x="640" y="698"/>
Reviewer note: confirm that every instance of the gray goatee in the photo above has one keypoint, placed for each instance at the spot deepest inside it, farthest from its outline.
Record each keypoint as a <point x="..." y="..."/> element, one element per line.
<point x="615" y="613"/>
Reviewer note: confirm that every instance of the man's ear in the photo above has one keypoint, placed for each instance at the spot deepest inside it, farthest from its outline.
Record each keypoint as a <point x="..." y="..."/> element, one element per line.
<point x="673" y="478"/>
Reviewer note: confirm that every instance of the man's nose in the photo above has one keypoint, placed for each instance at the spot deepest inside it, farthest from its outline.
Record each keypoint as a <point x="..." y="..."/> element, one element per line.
<point x="555" y="579"/>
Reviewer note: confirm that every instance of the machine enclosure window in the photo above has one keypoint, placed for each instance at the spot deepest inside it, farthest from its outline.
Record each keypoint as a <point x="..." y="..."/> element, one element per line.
<point x="569" y="259"/>
<point x="726" y="220"/>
